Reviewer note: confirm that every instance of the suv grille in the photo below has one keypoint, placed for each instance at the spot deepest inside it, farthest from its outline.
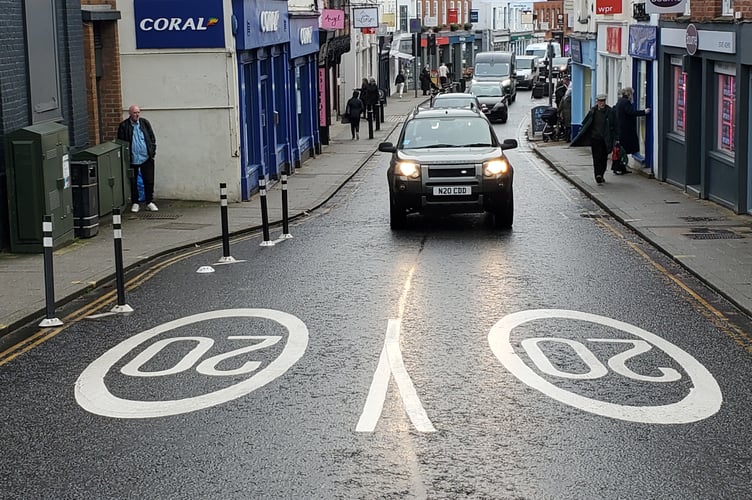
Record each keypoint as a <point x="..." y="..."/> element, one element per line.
<point x="452" y="171"/>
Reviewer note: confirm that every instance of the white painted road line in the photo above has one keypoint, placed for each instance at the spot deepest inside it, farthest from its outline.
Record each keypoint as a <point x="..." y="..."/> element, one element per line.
<point x="390" y="362"/>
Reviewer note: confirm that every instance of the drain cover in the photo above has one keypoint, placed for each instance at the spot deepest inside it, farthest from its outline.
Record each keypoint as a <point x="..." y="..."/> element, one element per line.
<point x="155" y="215"/>
<point x="702" y="219"/>
<point x="720" y="234"/>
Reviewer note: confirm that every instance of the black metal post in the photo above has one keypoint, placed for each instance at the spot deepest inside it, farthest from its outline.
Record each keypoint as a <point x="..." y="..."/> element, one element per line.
<point x="369" y="117"/>
<point x="285" y="216"/>
<point x="225" y="225"/>
<point x="117" y="234"/>
<point x="49" y="278"/>
<point x="381" y="111"/>
<point x="377" y="113"/>
<point x="264" y="213"/>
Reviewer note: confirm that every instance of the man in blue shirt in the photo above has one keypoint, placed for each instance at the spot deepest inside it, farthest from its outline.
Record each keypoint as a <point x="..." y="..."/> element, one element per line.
<point x="139" y="134"/>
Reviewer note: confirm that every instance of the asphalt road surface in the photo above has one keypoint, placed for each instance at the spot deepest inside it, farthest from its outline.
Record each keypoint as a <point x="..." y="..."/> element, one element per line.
<point x="564" y="358"/>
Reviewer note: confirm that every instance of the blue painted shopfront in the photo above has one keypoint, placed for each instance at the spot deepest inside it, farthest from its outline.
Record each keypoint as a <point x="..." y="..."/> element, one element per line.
<point x="584" y="55"/>
<point x="263" y="43"/>
<point x="303" y="91"/>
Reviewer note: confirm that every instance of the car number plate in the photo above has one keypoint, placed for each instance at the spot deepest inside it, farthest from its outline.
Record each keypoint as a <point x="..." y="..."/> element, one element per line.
<point x="452" y="190"/>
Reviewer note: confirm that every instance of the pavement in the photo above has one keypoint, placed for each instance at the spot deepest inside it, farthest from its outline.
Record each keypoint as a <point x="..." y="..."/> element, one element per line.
<point x="708" y="240"/>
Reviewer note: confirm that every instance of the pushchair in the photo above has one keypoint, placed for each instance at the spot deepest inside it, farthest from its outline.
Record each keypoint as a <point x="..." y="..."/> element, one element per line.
<point x="553" y="129"/>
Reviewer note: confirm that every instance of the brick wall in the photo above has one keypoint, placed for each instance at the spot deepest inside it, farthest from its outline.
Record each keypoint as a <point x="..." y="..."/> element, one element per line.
<point x="104" y="97"/>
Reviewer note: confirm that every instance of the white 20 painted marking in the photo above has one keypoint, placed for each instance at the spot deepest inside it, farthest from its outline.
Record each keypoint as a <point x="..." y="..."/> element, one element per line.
<point x="92" y="393"/>
<point x="704" y="398"/>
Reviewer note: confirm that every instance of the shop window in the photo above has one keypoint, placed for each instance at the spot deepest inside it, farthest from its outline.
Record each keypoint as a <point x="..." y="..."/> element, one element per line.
<point x="726" y="112"/>
<point x="679" y="122"/>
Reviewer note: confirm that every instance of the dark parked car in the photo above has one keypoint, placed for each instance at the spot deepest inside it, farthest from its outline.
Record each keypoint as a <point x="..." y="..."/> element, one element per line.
<point x="493" y="100"/>
<point x="456" y="100"/>
<point x="561" y="66"/>
<point x="449" y="161"/>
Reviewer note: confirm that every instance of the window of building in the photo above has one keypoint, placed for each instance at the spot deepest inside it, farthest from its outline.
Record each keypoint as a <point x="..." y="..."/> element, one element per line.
<point x="727" y="7"/>
<point x="679" y="88"/>
<point x="435" y="8"/>
<point x="726" y="107"/>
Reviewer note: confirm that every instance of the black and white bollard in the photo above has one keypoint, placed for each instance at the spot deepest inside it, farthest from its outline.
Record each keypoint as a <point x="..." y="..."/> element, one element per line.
<point x="117" y="233"/>
<point x="226" y="257"/>
<point x="285" y="214"/>
<point x="369" y="117"/>
<point x="264" y="214"/>
<point x="49" y="279"/>
<point x="377" y="115"/>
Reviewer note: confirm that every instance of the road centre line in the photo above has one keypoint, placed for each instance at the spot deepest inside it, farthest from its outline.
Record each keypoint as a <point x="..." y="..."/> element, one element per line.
<point x="391" y="363"/>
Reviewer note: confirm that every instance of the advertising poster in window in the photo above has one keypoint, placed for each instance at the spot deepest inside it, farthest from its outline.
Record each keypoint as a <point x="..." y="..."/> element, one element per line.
<point x="680" y="96"/>
<point x="726" y="106"/>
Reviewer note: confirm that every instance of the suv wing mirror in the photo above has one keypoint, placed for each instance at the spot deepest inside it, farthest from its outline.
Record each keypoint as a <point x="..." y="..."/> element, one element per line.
<point x="388" y="147"/>
<point x="509" y="144"/>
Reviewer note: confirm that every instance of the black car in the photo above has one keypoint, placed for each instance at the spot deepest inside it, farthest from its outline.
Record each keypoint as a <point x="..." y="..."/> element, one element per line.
<point x="455" y="100"/>
<point x="449" y="161"/>
<point x="493" y="100"/>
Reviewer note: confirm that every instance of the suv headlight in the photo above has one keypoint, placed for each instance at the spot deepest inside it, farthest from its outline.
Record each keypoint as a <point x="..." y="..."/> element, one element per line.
<point x="506" y="83"/>
<point x="495" y="167"/>
<point x="407" y="169"/>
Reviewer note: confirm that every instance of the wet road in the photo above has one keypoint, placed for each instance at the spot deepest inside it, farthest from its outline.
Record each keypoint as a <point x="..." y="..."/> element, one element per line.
<point x="561" y="359"/>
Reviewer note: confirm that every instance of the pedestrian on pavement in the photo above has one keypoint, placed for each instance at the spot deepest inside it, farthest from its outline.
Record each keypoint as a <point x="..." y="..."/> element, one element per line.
<point x="138" y="132"/>
<point x="599" y="130"/>
<point x="425" y="80"/>
<point x="626" y="119"/>
<point x="371" y="99"/>
<point x="353" y="110"/>
<point x="400" y="83"/>
<point x="561" y="88"/>
<point x="443" y="75"/>
<point x="565" y="114"/>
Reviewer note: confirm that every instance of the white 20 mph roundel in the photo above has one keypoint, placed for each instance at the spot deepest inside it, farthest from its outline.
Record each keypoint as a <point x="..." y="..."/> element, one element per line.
<point x="704" y="398"/>
<point x="92" y="393"/>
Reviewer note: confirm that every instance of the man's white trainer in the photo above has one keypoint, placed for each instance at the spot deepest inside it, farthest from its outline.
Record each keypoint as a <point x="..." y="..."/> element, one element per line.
<point x="135" y="208"/>
<point x="151" y="207"/>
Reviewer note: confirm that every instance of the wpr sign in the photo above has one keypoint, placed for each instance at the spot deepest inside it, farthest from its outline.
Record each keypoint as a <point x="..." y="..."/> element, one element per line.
<point x="177" y="24"/>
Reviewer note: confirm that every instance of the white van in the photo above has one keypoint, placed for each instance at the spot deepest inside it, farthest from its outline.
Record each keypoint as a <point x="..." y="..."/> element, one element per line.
<point x="539" y="50"/>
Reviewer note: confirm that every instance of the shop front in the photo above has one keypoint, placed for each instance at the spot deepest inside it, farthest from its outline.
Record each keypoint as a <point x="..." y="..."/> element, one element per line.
<point x="643" y="39"/>
<point x="304" y="47"/>
<point x="265" y="87"/>
<point x="584" y="53"/>
<point x="705" y="113"/>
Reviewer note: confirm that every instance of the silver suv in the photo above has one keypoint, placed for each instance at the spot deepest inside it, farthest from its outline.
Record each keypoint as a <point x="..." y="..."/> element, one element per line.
<point x="449" y="161"/>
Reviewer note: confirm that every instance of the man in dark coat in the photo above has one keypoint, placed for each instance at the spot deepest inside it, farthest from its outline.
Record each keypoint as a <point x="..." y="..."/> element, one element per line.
<point x="353" y="110"/>
<point x="425" y="80"/>
<point x="626" y="119"/>
<point x="599" y="130"/>
<point x="371" y="96"/>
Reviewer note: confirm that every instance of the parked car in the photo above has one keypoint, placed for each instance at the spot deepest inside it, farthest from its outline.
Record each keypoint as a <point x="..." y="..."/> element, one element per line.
<point x="456" y="100"/>
<point x="449" y="161"/>
<point x="561" y="66"/>
<point x="528" y="71"/>
<point x="493" y="100"/>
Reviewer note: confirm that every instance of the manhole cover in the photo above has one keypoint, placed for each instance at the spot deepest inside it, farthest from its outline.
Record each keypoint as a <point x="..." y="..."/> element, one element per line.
<point x="713" y="235"/>
<point x="702" y="219"/>
<point x="155" y="215"/>
<point x="394" y="118"/>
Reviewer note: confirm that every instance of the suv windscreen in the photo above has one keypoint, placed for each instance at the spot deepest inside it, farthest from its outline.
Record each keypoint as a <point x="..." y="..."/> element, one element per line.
<point x="492" y="69"/>
<point x="449" y="132"/>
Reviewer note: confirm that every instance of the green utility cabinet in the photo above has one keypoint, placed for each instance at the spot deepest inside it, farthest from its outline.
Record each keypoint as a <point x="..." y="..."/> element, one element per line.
<point x="39" y="184"/>
<point x="112" y="175"/>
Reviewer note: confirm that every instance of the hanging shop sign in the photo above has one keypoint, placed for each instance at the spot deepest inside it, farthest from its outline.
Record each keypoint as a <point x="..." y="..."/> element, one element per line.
<point x="606" y="7"/>
<point x="178" y="24"/>
<point x="332" y="19"/>
<point x="665" y="6"/>
<point x="304" y="36"/>
<point x="365" y="17"/>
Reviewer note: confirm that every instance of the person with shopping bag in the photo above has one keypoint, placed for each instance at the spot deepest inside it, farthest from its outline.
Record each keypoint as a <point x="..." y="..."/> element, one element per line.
<point x="626" y="120"/>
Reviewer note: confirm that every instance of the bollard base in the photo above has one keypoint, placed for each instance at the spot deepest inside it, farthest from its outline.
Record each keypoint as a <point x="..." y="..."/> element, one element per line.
<point x="285" y="236"/>
<point x="227" y="260"/>
<point x="125" y="308"/>
<point x="205" y="269"/>
<point x="48" y="322"/>
<point x="266" y="244"/>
